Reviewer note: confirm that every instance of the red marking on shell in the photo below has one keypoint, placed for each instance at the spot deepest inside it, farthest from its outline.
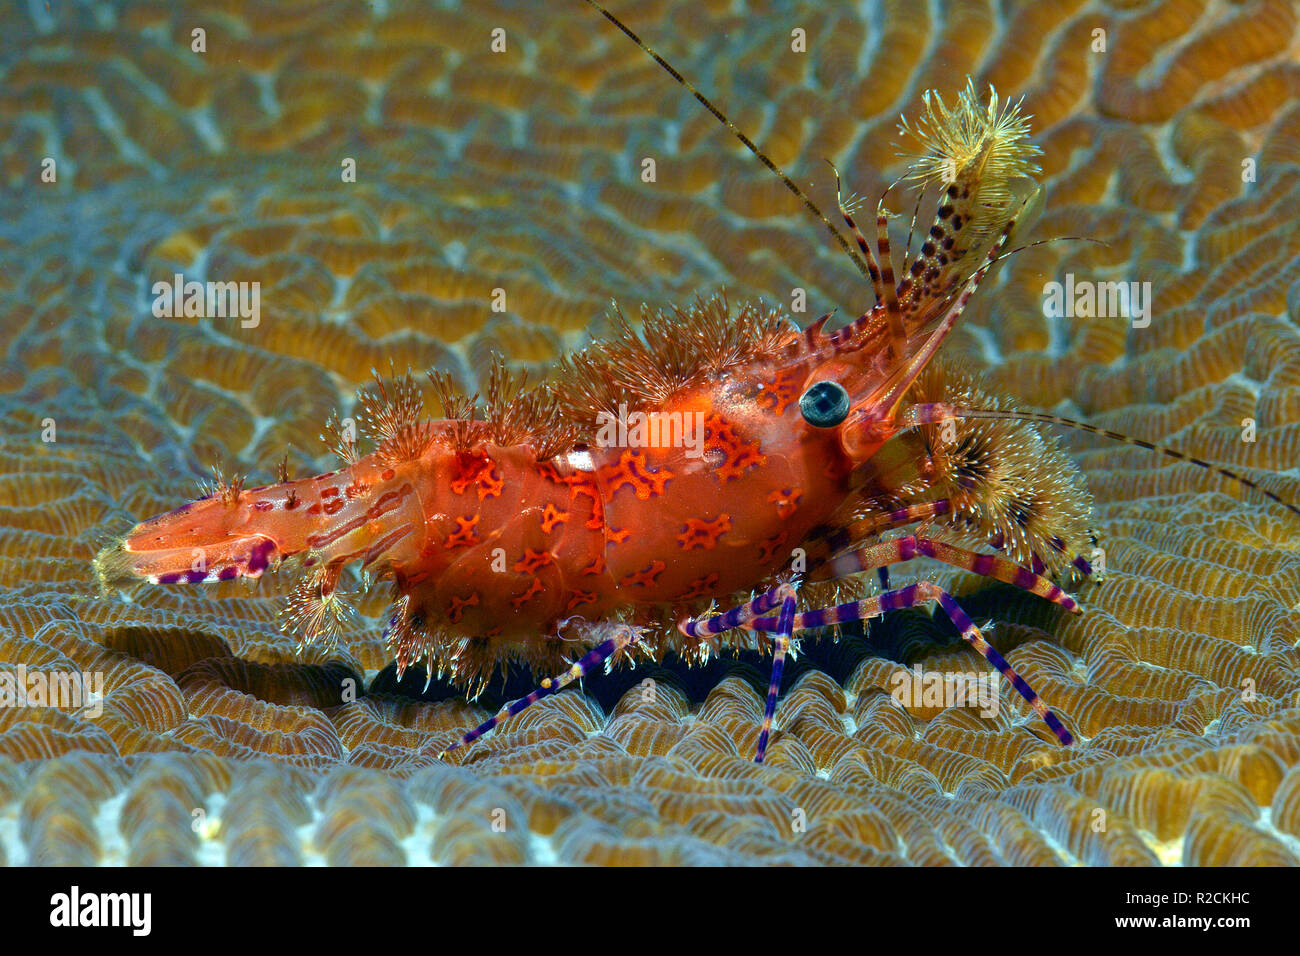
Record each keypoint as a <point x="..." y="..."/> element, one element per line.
<point x="704" y="534"/>
<point x="578" y="484"/>
<point x="646" y="576"/>
<point x="456" y="609"/>
<point x="701" y="586"/>
<point x="490" y="482"/>
<point x="738" y="454"/>
<point x="631" y="470"/>
<point x="464" y="534"/>
<point x="533" y="561"/>
<point x="780" y="393"/>
<point x="577" y="598"/>
<point x="588" y="488"/>
<point x="552" y="516"/>
<point x="768" y="548"/>
<point x="467" y="469"/>
<point x="786" y="501"/>
<point x="533" y="590"/>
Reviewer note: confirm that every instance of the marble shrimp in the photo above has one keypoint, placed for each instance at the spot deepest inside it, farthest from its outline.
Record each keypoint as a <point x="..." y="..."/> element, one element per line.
<point x="711" y="455"/>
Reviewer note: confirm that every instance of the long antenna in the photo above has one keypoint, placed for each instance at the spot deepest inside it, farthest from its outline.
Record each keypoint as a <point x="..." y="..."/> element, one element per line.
<point x="721" y="117"/>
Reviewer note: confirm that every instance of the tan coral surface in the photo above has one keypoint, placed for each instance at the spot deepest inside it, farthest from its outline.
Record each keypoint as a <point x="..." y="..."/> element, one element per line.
<point x="1171" y="132"/>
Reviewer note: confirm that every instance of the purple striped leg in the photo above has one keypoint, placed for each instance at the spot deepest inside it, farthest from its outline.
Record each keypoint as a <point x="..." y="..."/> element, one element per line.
<point x="913" y="546"/>
<point x="834" y="540"/>
<point x="841" y="538"/>
<point x="784" y="631"/>
<point x="746" y="616"/>
<point x="911" y="596"/>
<point x="1037" y="564"/>
<point x="602" y="652"/>
<point x="738" y="616"/>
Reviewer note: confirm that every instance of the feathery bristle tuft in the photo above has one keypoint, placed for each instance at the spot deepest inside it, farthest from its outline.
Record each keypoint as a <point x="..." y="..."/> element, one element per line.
<point x="981" y="148"/>
<point x="1012" y="486"/>
<point x="393" y="413"/>
<point x="458" y="408"/>
<point x="219" y="487"/>
<point x="982" y="158"/>
<point x="115" y="570"/>
<point x="515" y="414"/>
<point x="341" y="440"/>
<point x="316" y="611"/>
<point x="671" y="351"/>
<point x="1013" y="482"/>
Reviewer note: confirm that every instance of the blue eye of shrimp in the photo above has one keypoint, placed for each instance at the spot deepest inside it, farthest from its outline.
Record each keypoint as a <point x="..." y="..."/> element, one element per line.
<point x="825" y="404"/>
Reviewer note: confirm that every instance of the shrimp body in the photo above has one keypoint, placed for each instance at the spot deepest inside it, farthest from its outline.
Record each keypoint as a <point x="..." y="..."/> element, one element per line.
<point x="763" y="453"/>
<point x="496" y="552"/>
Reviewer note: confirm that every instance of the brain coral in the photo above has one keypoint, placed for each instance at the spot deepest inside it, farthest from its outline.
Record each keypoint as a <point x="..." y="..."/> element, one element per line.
<point x="380" y="170"/>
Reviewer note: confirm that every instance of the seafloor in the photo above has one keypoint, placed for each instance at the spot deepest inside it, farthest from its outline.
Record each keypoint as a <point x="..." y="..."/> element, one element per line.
<point x="1178" y="146"/>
